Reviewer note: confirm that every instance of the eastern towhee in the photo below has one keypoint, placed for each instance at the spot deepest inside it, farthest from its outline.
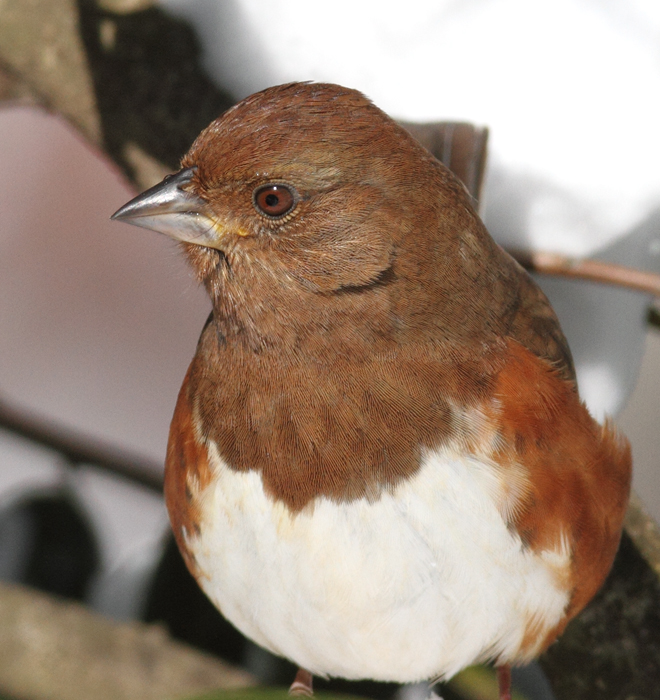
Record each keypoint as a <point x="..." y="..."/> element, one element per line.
<point x="379" y="465"/>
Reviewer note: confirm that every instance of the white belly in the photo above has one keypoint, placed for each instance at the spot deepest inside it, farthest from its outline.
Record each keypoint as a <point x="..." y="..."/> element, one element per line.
<point x="417" y="584"/>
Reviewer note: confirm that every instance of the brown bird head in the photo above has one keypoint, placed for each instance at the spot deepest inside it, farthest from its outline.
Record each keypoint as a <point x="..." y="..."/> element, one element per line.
<point x="305" y="208"/>
<point x="290" y="177"/>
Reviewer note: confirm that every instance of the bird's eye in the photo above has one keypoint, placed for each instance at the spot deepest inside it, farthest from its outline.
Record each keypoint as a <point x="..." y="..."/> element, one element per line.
<point x="274" y="200"/>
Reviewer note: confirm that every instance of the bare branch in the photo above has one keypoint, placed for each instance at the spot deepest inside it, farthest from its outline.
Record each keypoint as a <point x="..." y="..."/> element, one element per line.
<point x="41" y="46"/>
<point x="591" y="270"/>
<point x="57" y="650"/>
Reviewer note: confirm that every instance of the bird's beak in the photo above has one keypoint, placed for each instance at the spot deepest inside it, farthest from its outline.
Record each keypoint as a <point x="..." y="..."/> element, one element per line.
<point x="170" y="209"/>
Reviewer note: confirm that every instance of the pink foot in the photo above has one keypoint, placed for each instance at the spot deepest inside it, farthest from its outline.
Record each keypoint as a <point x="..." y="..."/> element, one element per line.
<point x="302" y="684"/>
<point x="504" y="681"/>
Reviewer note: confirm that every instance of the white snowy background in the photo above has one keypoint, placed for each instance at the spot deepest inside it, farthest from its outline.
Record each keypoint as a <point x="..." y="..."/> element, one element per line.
<point x="99" y="320"/>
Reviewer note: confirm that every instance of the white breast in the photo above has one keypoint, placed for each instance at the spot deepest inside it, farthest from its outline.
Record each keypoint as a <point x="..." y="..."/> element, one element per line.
<point x="418" y="584"/>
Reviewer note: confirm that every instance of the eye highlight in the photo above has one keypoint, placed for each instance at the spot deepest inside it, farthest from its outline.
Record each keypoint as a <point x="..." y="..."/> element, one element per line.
<point x="274" y="201"/>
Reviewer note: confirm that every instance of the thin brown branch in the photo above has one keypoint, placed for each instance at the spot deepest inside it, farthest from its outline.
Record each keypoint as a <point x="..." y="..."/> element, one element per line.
<point x="80" y="449"/>
<point x="591" y="270"/>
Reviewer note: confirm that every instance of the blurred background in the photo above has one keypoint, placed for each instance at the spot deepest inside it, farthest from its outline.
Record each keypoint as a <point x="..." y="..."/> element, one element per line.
<point x="98" y="320"/>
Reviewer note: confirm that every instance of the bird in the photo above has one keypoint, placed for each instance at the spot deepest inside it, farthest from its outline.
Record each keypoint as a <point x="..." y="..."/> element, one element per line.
<point x="379" y="466"/>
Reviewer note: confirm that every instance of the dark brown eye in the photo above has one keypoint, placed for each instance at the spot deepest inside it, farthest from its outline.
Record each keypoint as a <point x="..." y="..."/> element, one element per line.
<point x="274" y="200"/>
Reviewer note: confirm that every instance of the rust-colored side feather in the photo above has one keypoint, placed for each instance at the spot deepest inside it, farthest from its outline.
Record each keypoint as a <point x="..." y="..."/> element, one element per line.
<point x="578" y="472"/>
<point x="186" y="468"/>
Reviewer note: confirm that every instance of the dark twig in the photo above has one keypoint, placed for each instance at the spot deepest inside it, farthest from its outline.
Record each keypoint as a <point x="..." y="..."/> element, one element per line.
<point x="81" y="449"/>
